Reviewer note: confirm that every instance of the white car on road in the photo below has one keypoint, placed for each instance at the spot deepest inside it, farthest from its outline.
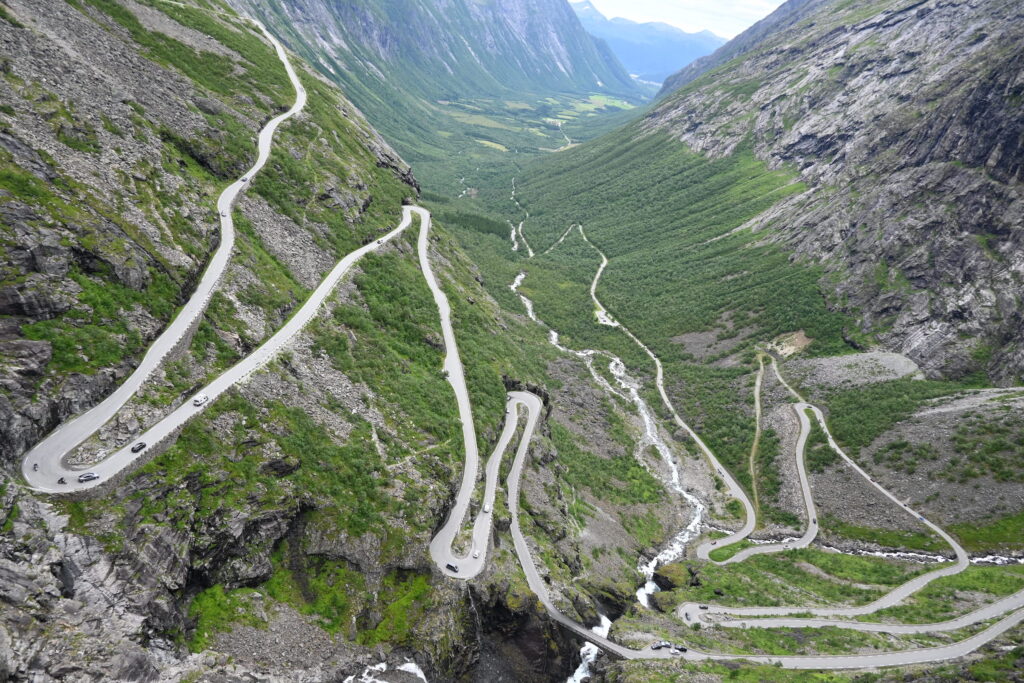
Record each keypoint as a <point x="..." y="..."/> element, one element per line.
<point x="200" y="400"/>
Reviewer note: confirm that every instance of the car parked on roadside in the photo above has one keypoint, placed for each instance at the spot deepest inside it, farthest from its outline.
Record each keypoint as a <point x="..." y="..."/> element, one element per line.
<point x="660" y="644"/>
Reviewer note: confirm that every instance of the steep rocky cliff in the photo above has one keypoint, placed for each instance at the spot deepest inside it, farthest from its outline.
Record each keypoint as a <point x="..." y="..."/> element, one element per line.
<point x="904" y="120"/>
<point x="453" y="48"/>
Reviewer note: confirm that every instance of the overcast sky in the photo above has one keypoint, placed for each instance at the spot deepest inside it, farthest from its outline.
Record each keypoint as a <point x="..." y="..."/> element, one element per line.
<point x="722" y="17"/>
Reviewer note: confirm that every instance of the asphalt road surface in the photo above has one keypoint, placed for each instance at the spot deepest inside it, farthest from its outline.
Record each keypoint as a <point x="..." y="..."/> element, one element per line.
<point x="1012" y="607"/>
<point x="43" y="464"/>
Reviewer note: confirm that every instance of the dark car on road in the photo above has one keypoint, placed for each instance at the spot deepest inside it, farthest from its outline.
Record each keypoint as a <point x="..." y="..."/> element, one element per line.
<point x="138" y="447"/>
<point x="660" y="644"/>
<point x="451" y="567"/>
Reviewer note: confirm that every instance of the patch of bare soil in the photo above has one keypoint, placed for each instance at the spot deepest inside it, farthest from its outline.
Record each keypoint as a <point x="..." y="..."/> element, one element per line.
<point x="288" y="641"/>
<point x="842" y="493"/>
<point x="838" y="372"/>
<point x="790" y="344"/>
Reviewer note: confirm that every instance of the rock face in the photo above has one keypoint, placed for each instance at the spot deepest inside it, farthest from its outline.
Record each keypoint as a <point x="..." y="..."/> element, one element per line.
<point x="456" y="47"/>
<point x="112" y="162"/>
<point x="904" y="122"/>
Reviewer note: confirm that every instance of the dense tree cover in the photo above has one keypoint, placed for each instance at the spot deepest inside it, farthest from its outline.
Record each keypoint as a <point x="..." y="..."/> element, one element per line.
<point x="666" y="219"/>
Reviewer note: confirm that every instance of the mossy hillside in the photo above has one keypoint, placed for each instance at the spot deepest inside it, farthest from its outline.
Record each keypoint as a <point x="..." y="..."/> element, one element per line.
<point x="984" y="444"/>
<point x="215" y="610"/>
<point x="333" y="593"/>
<point x="859" y="415"/>
<point x="620" y="479"/>
<point x="1006" y="533"/>
<point x="94" y="333"/>
<point x="950" y="596"/>
<point x="261" y="71"/>
<point x="889" y="538"/>
<point x="785" y="579"/>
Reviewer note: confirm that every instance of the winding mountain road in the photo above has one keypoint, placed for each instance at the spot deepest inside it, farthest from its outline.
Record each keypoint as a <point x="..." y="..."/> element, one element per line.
<point x="1010" y="608"/>
<point x="441" y="545"/>
<point x="44" y="463"/>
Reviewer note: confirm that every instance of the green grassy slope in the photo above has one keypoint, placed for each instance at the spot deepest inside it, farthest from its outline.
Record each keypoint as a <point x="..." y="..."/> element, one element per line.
<point x="665" y="218"/>
<point x="459" y="91"/>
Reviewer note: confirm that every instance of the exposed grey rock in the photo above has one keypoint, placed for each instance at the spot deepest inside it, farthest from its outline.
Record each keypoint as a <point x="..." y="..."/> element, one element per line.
<point x="905" y="124"/>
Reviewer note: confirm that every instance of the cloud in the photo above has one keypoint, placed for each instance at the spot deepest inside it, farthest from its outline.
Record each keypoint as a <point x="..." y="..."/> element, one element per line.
<point x="722" y="17"/>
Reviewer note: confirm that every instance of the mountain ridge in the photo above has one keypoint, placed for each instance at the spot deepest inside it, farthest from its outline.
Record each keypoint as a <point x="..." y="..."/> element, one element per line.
<point x="878" y="108"/>
<point x="785" y="15"/>
<point x="652" y="51"/>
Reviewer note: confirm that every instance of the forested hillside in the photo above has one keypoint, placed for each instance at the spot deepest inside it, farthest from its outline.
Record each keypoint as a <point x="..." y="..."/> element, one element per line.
<point x="765" y="199"/>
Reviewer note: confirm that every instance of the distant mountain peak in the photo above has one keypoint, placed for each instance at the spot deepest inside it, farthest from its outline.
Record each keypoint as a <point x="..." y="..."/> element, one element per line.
<point x="650" y="50"/>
